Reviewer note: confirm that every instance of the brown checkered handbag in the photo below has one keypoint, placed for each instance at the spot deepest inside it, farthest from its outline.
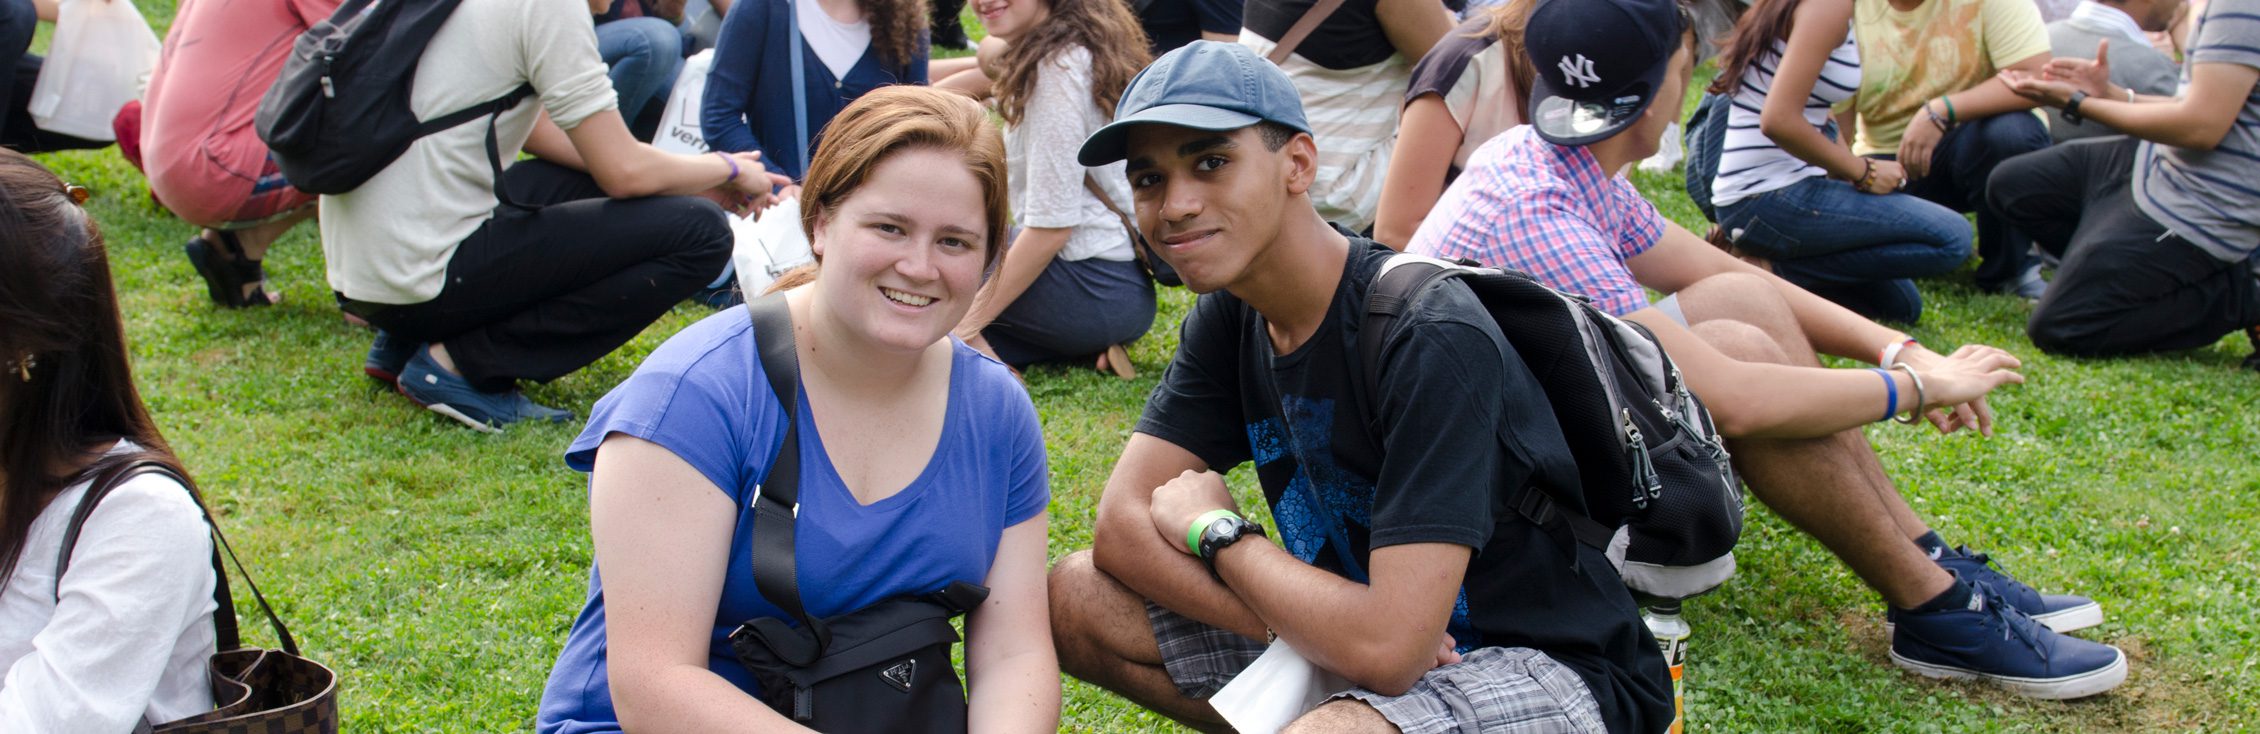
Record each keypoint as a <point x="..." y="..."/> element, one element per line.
<point x="258" y="691"/>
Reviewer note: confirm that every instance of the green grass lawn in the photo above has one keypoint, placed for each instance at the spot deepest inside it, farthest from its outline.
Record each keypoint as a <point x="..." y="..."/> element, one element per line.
<point x="437" y="569"/>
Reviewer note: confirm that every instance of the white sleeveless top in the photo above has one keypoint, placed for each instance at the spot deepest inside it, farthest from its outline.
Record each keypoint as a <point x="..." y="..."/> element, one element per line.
<point x="1751" y="163"/>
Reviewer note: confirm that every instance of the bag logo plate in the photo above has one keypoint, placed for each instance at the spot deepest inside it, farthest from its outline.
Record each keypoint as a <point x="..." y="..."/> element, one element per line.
<point x="899" y="675"/>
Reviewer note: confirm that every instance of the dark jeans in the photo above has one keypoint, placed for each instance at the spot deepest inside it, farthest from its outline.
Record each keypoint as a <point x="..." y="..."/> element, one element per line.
<point x="537" y="294"/>
<point x="2126" y="285"/>
<point x="19" y="72"/>
<point x="1859" y="250"/>
<point x="1075" y="309"/>
<point x="1959" y="168"/>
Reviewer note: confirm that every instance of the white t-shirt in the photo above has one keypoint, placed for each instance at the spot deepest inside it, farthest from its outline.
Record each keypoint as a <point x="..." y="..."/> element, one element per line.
<point x="1353" y="116"/>
<point x="129" y="638"/>
<point x="389" y="241"/>
<point x="839" y="45"/>
<point x="1046" y="183"/>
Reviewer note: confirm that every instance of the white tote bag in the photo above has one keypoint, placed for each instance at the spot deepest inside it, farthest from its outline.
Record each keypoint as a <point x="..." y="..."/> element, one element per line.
<point x="678" y="124"/>
<point x="99" y="60"/>
<point x="768" y="246"/>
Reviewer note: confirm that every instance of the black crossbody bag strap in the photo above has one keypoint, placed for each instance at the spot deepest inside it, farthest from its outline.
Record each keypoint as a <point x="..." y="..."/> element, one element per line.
<point x="775" y="573"/>
<point x="224" y="624"/>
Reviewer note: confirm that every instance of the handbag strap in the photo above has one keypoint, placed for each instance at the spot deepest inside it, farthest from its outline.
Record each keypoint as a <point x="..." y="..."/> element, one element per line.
<point x="1317" y="14"/>
<point x="777" y="504"/>
<point x="800" y="94"/>
<point x="1091" y="184"/>
<point x="224" y="623"/>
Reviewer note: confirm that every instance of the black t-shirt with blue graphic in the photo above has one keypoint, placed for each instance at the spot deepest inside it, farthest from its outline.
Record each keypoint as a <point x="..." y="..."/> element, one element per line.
<point x="1458" y="417"/>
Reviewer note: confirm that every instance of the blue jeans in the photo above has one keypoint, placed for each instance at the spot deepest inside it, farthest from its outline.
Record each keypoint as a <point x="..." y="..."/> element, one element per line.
<point x="1959" y="167"/>
<point x="1859" y="250"/>
<point x="645" y="54"/>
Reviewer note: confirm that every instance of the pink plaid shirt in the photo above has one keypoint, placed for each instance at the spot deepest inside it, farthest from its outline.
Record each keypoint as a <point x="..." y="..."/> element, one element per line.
<point x="1550" y="211"/>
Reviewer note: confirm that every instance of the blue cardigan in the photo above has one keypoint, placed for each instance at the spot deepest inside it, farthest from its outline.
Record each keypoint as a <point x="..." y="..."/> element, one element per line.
<point x="748" y="104"/>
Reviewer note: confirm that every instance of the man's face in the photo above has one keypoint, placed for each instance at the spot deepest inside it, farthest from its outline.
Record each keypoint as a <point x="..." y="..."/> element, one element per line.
<point x="1665" y="108"/>
<point x="1211" y="202"/>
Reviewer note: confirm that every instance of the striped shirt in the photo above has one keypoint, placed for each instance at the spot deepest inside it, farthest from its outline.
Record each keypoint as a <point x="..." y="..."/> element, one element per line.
<point x="1550" y="211"/>
<point x="1353" y="117"/>
<point x="1751" y="163"/>
<point x="2212" y="198"/>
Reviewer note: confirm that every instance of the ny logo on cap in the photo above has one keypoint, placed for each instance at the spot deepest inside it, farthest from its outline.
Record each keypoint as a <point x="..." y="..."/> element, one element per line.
<point x="1579" y="72"/>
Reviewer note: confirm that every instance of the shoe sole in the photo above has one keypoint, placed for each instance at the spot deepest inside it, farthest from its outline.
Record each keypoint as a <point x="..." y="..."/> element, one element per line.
<point x="380" y="374"/>
<point x="2053" y="689"/>
<point x="449" y="411"/>
<point x="2059" y="621"/>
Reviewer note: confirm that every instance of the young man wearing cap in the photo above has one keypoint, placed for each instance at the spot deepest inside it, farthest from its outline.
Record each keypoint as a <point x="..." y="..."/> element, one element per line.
<point x="1399" y="571"/>
<point x="1541" y="198"/>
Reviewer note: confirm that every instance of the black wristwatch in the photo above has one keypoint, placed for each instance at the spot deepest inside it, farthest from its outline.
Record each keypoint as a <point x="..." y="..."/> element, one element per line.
<point x="2072" y="108"/>
<point x="1222" y="532"/>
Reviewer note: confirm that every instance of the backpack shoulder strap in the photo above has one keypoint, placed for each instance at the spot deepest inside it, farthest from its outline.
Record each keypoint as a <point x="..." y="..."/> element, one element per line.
<point x="777" y="506"/>
<point x="1302" y="29"/>
<point x="1403" y="279"/>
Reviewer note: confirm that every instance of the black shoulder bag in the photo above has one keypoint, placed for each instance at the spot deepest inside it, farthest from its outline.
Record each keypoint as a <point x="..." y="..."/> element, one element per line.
<point x="882" y="668"/>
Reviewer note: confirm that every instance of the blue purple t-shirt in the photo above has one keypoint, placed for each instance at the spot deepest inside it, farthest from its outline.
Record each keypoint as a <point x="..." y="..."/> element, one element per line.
<point x="704" y="396"/>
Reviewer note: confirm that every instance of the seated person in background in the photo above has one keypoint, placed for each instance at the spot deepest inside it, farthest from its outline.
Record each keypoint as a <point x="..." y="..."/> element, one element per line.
<point x="121" y="639"/>
<point x="1352" y="72"/>
<point x="1828" y="221"/>
<point x="1467" y="89"/>
<point x="1174" y="23"/>
<point x="471" y="295"/>
<point x="1928" y="100"/>
<point x="935" y="461"/>
<point x="1399" y="573"/>
<point x="2158" y="228"/>
<point x="1070" y="286"/>
<point x="643" y="48"/>
<point x="1542" y="199"/>
<point x="860" y="45"/>
<point x="2119" y="29"/>
<point x="197" y="144"/>
<point x="19" y="72"/>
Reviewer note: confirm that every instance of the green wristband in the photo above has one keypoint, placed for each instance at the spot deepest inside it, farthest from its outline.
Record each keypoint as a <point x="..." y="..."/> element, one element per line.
<point x="1193" y="535"/>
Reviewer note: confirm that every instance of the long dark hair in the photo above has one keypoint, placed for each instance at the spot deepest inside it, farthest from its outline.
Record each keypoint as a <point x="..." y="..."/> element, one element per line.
<point x="1764" y="23"/>
<point x="896" y="27"/>
<point x="1106" y="28"/>
<point x="59" y="325"/>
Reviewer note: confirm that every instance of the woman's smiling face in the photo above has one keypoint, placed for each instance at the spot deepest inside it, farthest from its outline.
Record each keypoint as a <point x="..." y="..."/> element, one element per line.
<point x="903" y="254"/>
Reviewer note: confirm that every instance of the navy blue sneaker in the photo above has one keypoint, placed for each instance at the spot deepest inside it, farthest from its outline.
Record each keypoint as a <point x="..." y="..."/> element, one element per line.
<point x="439" y="391"/>
<point x="388" y="355"/>
<point x="2061" y="612"/>
<point x="1991" y="641"/>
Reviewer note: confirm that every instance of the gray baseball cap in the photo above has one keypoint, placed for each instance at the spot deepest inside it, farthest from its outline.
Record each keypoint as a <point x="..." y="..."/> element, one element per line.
<point x="1205" y="85"/>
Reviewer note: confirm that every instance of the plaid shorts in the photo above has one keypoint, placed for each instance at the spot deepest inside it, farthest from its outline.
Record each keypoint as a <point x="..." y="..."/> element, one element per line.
<point x="1491" y="689"/>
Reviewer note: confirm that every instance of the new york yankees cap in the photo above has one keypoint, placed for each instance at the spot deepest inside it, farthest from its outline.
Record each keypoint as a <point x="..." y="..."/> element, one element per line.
<point x="1599" y="63"/>
<point x="1206" y="85"/>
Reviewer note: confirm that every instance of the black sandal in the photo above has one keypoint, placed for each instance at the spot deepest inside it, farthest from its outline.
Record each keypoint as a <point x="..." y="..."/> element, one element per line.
<point x="226" y="271"/>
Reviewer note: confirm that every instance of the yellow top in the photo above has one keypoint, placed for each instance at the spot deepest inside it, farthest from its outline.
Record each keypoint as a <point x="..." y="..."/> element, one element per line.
<point x="1910" y="57"/>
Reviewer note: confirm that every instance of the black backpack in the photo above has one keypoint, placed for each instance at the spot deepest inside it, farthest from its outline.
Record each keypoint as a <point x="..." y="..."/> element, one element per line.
<point x="339" y="112"/>
<point x="1660" y="497"/>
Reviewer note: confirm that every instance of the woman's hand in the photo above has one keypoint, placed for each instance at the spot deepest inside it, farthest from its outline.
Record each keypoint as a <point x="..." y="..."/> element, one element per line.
<point x="1884" y="177"/>
<point x="2041" y="90"/>
<point x="1918" y="143"/>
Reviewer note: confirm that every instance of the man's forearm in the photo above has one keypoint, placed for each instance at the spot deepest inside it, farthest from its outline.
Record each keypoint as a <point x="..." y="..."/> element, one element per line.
<point x="1990" y="97"/>
<point x="1346" y="627"/>
<point x="1132" y="553"/>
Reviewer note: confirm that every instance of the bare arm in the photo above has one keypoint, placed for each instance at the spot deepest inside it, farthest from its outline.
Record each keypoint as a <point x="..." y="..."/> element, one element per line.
<point x="1990" y="97"/>
<point x="1818" y="30"/>
<point x="1024" y="261"/>
<point x="1413" y="585"/>
<point x="1413" y="26"/>
<point x="1125" y="545"/>
<point x="1012" y="675"/>
<point x="662" y="533"/>
<point x="1680" y="259"/>
<point x="627" y="168"/>
<point x="549" y="142"/>
<point x="2197" y="120"/>
<point x="1427" y="138"/>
